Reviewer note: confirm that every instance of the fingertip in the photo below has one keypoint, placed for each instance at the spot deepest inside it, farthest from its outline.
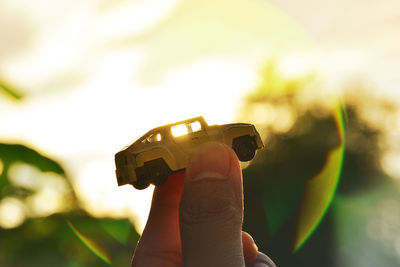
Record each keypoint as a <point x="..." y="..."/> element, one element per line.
<point x="215" y="160"/>
<point x="211" y="157"/>
<point x="211" y="208"/>
<point x="213" y="182"/>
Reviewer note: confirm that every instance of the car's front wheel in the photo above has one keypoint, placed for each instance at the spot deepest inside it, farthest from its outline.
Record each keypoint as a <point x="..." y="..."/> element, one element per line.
<point x="154" y="171"/>
<point x="244" y="147"/>
<point x="140" y="185"/>
<point x="159" y="172"/>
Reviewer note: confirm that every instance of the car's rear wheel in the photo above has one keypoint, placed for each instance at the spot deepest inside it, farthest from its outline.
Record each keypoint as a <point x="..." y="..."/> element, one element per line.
<point x="244" y="147"/>
<point x="154" y="171"/>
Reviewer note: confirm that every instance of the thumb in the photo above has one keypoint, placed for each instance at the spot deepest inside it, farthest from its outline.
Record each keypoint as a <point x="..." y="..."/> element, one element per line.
<point x="211" y="209"/>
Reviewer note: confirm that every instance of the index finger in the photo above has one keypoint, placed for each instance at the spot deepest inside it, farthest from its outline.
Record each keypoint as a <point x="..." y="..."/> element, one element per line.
<point x="160" y="243"/>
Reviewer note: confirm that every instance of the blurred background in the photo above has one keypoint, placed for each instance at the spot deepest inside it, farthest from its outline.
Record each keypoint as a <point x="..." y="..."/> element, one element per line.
<point x="319" y="79"/>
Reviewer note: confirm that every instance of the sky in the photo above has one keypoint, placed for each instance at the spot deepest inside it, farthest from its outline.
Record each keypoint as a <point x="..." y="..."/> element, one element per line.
<point x="98" y="74"/>
<point x="363" y="36"/>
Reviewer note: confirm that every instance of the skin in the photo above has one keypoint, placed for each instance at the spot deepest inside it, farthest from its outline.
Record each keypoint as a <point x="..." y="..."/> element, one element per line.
<point x="196" y="217"/>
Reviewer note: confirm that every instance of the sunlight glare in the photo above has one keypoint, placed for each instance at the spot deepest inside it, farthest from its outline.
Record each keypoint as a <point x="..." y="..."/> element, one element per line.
<point x="24" y="175"/>
<point x="295" y="65"/>
<point x="29" y="177"/>
<point x="132" y="18"/>
<point x="12" y="213"/>
<point x="285" y="118"/>
<point x="91" y="245"/>
<point x="279" y="117"/>
<point x="179" y="130"/>
<point x="45" y="202"/>
<point x="320" y="189"/>
<point x="51" y="191"/>
<point x="210" y="87"/>
<point x="98" y="191"/>
<point x="262" y="114"/>
<point x="391" y="164"/>
<point x="195" y="126"/>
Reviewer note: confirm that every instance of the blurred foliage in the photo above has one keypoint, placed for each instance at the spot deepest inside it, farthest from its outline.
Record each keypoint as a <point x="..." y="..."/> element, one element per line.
<point x="11" y="153"/>
<point x="274" y="182"/>
<point x="17" y="153"/>
<point x="275" y="84"/>
<point x="9" y="91"/>
<point x="49" y="240"/>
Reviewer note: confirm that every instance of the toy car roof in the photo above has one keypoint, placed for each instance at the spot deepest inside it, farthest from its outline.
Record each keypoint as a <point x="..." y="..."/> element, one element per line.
<point x="199" y="118"/>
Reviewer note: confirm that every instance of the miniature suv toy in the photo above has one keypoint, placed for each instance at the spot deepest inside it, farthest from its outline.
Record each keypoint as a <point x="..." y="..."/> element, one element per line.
<point x="166" y="149"/>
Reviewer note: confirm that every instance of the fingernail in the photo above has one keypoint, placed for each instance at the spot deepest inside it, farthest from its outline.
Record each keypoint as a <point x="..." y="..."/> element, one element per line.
<point x="211" y="161"/>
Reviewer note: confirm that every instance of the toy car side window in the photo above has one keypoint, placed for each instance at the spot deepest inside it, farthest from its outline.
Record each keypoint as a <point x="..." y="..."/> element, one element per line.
<point x="179" y="130"/>
<point x="151" y="138"/>
<point x="195" y="126"/>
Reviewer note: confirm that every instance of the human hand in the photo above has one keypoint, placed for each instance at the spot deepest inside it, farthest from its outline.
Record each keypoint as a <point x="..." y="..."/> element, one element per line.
<point x="196" y="217"/>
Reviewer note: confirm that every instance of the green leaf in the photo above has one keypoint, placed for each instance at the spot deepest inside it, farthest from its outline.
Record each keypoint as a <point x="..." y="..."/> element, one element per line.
<point x="119" y="229"/>
<point x="10" y="153"/>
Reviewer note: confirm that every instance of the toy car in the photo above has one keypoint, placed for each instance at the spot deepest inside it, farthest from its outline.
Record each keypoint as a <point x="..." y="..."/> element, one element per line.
<point x="166" y="149"/>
